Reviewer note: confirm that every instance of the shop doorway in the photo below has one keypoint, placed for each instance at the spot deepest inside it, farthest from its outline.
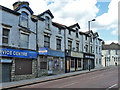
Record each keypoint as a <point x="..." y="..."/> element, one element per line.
<point x="5" y="68"/>
<point x="76" y="64"/>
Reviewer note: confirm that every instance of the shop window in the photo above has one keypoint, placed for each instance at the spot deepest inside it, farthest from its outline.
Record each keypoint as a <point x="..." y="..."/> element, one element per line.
<point x="24" y="19"/>
<point x="23" y="67"/>
<point x="56" y="64"/>
<point x="69" y="45"/>
<point x="47" y="41"/>
<point x="24" y="40"/>
<point x="5" y="36"/>
<point x="58" y="44"/>
<point x="72" y="63"/>
<point x="43" y="65"/>
<point x="50" y="65"/>
<point x="79" y="63"/>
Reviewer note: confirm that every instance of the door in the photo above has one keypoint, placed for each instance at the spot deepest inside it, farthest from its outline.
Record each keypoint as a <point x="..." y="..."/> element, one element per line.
<point x="76" y="64"/>
<point x="5" y="72"/>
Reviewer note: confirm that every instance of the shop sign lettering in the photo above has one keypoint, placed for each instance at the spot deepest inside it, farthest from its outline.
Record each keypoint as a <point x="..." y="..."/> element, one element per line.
<point x="17" y="53"/>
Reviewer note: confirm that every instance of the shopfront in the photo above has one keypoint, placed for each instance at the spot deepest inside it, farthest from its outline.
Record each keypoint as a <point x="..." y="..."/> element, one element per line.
<point x="50" y="61"/>
<point x="17" y="64"/>
<point x="74" y="61"/>
<point x="88" y="59"/>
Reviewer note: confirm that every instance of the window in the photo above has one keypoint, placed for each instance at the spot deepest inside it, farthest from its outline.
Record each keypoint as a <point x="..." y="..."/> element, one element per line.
<point x="76" y="32"/>
<point x="86" y="48"/>
<point x="96" y="50"/>
<point x="79" y="63"/>
<point x="69" y="45"/>
<point x="99" y="61"/>
<point x="47" y="41"/>
<point x="59" y="31"/>
<point x="85" y="37"/>
<point x="108" y="51"/>
<point x="43" y="65"/>
<point x="5" y="36"/>
<point x="72" y="63"/>
<point x="91" y="49"/>
<point x="116" y="52"/>
<point x="99" y="50"/>
<point x="47" y="22"/>
<point x="77" y="47"/>
<point x="96" y="61"/>
<point x="70" y="32"/>
<point x="24" y="40"/>
<point x="24" y="19"/>
<point x="58" y="44"/>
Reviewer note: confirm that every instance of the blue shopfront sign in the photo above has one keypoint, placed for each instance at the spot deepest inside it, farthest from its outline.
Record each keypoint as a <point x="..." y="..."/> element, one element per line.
<point x="45" y="51"/>
<point x="17" y="53"/>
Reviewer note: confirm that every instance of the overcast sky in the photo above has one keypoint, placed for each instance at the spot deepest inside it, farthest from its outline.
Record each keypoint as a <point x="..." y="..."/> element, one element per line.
<point x="69" y="12"/>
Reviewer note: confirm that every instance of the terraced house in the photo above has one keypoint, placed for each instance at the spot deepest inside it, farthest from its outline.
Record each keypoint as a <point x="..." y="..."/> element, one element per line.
<point x="33" y="45"/>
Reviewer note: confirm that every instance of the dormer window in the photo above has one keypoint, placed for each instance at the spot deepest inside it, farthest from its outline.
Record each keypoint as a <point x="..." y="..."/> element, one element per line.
<point x="47" y="22"/>
<point x="24" y="19"/>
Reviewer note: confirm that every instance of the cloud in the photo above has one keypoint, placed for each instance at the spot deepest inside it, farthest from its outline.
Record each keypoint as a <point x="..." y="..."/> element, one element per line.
<point x="109" y="20"/>
<point x="73" y="11"/>
<point x="114" y="32"/>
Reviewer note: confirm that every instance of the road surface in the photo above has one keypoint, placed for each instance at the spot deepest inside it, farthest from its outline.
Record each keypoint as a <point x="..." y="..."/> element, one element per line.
<point x="107" y="78"/>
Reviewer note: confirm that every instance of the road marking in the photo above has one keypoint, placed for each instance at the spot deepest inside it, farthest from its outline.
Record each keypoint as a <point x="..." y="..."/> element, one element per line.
<point x="68" y="85"/>
<point x="111" y="86"/>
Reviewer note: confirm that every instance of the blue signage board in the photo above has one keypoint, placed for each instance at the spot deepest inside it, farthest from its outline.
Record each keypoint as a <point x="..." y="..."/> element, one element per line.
<point x="17" y="53"/>
<point x="42" y="51"/>
<point x="45" y="51"/>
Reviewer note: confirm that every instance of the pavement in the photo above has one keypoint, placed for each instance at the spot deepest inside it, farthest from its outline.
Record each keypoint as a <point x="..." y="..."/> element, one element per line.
<point x="15" y="84"/>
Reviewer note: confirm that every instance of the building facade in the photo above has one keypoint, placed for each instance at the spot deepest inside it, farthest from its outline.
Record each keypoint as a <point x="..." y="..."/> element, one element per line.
<point x="33" y="45"/>
<point x="17" y="43"/>
<point x="73" y="49"/>
<point x="50" y="40"/>
<point x="111" y="54"/>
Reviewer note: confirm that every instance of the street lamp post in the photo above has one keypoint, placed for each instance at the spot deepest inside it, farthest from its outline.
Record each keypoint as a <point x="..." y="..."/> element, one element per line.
<point x="89" y="64"/>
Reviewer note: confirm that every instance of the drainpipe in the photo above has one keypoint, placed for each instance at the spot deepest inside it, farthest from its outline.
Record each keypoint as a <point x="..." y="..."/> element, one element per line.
<point x="37" y="45"/>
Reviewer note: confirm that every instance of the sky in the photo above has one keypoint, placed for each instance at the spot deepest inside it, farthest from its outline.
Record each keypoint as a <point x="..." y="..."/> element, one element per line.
<point x="69" y="12"/>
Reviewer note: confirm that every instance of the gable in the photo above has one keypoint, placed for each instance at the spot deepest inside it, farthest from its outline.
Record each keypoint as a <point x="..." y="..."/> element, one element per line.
<point x="26" y="7"/>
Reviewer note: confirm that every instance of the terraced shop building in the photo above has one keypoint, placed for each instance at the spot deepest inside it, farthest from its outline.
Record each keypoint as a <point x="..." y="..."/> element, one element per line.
<point x="17" y="43"/>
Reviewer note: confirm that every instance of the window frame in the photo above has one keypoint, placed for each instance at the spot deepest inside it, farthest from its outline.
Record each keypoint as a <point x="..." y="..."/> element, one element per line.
<point x="27" y="19"/>
<point x="58" y="44"/>
<point x="69" y="45"/>
<point x="47" y="42"/>
<point x="3" y="36"/>
<point x="77" y="47"/>
<point x="27" y="41"/>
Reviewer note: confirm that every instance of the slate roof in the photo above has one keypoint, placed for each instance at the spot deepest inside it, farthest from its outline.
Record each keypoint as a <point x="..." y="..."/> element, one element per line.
<point x="112" y="46"/>
<point x="9" y="10"/>
<point x="48" y="12"/>
<point x="72" y="26"/>
<point x="59" y="25"/>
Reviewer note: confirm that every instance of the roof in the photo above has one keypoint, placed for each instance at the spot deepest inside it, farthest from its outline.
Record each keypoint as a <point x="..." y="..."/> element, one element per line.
<point x="9" y="10"/>
<point x="59" y="25"/>
<point x="87" y="32"/>
<point x="112" y="46"/>
<point x="48" y="12"/>
<point x="72" y="26"/>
